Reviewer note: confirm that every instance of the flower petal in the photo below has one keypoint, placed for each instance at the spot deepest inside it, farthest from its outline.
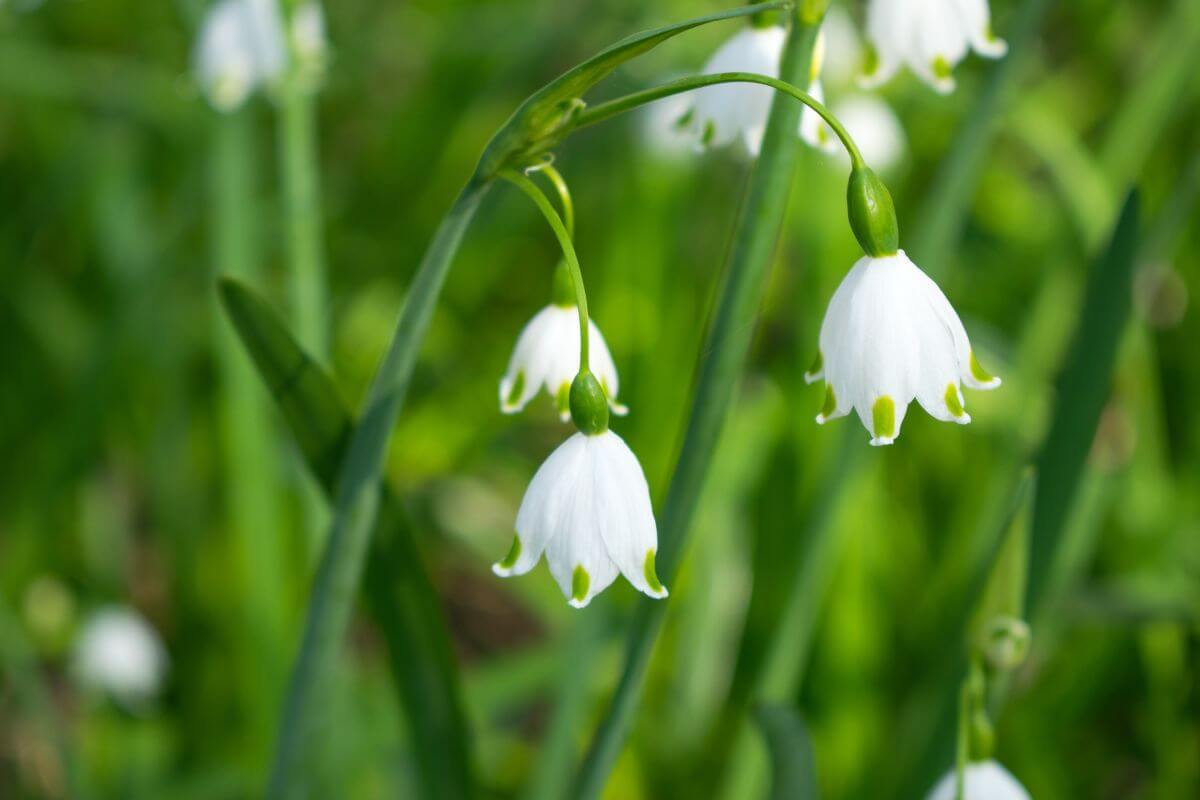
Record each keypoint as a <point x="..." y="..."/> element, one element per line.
<point x="627" y="518"/>
<point x="542" y="510"/>
<point x="576" y="554"/>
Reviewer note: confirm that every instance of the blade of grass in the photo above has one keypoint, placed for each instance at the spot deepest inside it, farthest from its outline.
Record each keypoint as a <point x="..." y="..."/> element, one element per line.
<point x="793" y="762"/>
<point x="250" y="469"/>
<point x="721" y="361"/>
<point x="30" y="690"/>
<point x="1082" y="390"/>
<point x="943" y="214"/>
<point x="398" y="590"/>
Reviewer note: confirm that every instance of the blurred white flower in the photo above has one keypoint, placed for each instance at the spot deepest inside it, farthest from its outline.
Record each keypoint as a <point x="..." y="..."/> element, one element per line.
<point x="982" y="780"/>
<point x="547" y="356"/>
<point x="843" y="48"/>
<point x="890" y="336"/>
<point x="241" y="48"/>
<point x="663" y="128"/>
<point x="119" y="653"/>
<point x="875" y="129"/>
<point x="588" y="509"/>
<point x="930" y="37"/>
<point x="723" y="113"/>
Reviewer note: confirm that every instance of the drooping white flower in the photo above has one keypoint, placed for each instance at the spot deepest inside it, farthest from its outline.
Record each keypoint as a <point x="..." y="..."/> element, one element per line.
<point x="588" y="509"/>
<point x="119" y="653"/>
<point x="890" y="336"/>
<point x="982" y="780"/>
<point x="241" y="48"/>
<point x="843" y="50"/>
<point x="930" y="37"/>
<point x="547" y="357"/>
<point x="874" y="127"/>
<point x="723" y="113"/>
<point x="662" y="130"/>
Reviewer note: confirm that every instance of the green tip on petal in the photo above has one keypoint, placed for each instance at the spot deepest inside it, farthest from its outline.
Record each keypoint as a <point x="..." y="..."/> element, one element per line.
<point x="978" y="372"/>
<point x="883" y="414"/>
<point x="652" y="575"/>
<point x="830" y="404"/>
<point x="941" y="68"/>
<point x="518" y="387"/>
<point x="504" y="567"/>
<point x="870" y="60"/>
<point x="685" y="119"/>
<point x="579" y="584"/>
<point x="710" y="133"/>
<point x="817" y="365"/>
<point x="952" y="402"/>
<point x="562" y="399"/>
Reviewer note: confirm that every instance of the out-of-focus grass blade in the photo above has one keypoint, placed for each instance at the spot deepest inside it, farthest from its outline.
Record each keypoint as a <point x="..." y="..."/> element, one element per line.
<point x="943" y="214"/>
<point x="398" y="590"/>
<point x="19" y="666"/>
<point x="1081" y="393"/>
<point x="793" y="763"/>
<point x="537" y="123"/>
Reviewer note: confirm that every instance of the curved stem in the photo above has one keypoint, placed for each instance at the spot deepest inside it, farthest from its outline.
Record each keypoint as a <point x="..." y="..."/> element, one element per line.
<point x="564" y="239"/>
<point x="564" y="196"/>
<point x="603" y="111"/>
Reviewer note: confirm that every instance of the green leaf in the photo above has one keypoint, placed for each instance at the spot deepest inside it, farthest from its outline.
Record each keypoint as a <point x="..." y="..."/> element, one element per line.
<point x="1082" y="390"/>
<point x="539" y="123"/>
<point x="398" y="591"/>
<point x="793" y="763"/>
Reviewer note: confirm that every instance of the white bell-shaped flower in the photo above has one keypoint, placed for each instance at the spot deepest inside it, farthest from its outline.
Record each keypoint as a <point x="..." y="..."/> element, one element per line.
<point x="588" y="509"/>
<point x="982" y="780"/>
<point x="119" y="653"/>
<point x="930" y="37"/>
<point x="875" y="129"/>
<point x="721" y="114"/>
<point x="889" y="336"/>
<point x="547" y="357"/>
<point x="241" y="48"/>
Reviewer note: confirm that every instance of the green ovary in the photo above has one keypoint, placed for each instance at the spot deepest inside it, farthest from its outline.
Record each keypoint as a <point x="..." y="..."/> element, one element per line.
<point x="579" y="584"/>
<point x="952" y="402"/>
<point x="883" y="414"/>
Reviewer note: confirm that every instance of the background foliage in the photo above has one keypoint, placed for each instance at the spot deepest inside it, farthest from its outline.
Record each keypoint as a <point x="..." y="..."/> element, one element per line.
<point x="113" y="482"/>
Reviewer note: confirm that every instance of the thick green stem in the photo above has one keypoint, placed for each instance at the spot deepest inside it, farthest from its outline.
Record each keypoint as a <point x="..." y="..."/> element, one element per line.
<point x="564" y="239"/>
<point x="356" y="505"/>
<point x="301" y="185"/>
<point x="247" y="444"/>
<point x="721" y="361"/>
<point x="604" y="111"/>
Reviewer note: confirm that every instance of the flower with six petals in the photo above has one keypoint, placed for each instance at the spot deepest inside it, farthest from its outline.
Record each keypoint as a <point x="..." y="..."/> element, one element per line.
<point x="930" y="37"/>
<point x="890" y="336"/>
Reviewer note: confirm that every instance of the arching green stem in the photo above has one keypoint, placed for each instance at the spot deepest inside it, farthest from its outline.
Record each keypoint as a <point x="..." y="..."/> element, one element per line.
<point x="564" y="239"/>
<point x="603" y="111"/>
<point x="564" y="196"/>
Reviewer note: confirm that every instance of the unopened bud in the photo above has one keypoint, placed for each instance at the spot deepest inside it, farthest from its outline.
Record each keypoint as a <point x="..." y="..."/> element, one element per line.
<point x="1005" y="643"/>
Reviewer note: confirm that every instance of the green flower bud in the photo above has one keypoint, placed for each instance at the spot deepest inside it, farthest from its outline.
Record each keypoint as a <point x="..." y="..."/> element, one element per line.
<point x="1005" y="643"/>
<point x="589" y="405"/>
<point x="872" y="215"/>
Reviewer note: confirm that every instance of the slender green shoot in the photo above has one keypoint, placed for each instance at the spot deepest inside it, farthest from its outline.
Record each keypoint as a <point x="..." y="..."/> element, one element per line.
<point x="564" y="239"/>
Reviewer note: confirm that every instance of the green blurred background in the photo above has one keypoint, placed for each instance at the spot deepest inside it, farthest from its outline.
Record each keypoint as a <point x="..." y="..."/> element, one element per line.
<point x="117" y="485"/>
